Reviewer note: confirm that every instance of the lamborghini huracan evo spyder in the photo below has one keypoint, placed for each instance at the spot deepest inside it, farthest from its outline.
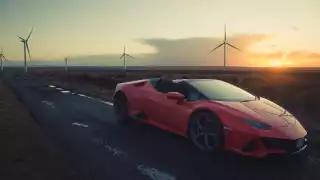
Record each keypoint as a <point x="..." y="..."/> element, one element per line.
<point x="214" y="114"/>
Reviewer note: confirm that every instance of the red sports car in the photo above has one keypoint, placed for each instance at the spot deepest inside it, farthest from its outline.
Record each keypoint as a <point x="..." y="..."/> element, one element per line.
<point x="214" y="114"/>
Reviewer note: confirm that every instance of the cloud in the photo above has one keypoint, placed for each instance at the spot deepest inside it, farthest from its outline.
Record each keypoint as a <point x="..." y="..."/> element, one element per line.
<point x="295" y="28"/>
<point x="294" y="58"/>
<point x="195" y="52"/>
<point x="304" y="54"/>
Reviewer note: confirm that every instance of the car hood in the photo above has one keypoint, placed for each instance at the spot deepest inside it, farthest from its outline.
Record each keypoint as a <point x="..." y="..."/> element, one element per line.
<point x="264" y="110"/>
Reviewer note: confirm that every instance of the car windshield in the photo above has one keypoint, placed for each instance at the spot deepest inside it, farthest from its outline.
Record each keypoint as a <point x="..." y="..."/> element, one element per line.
<point x="221" y="91"/>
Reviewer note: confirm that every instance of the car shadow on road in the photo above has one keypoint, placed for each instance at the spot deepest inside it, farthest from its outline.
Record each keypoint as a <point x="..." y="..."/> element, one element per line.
<point x="178" y="156"/>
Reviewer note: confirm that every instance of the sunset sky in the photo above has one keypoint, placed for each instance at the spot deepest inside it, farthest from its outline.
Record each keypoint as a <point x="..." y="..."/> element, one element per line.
<point x="164" y="32"/>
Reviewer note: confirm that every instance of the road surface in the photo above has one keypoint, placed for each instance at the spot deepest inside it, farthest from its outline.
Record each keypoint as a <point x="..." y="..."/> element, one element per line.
<point x="84" y="129"/>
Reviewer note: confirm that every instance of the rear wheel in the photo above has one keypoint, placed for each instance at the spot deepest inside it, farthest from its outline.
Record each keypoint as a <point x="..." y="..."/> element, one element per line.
<point x="120" y="108"/>
<point x="206" y="131"/>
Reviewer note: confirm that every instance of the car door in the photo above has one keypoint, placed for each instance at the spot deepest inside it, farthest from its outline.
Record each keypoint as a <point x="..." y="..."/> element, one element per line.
<point x="167" y="113"/>
<point x="152" y="98"/>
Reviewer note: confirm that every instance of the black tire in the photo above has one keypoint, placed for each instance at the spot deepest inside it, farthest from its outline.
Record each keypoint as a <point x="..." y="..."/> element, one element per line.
<point x="120" y="109"/>
<point x="208" y="138"/>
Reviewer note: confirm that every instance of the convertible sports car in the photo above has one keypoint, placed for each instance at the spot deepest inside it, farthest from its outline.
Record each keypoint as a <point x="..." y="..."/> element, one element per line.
<point x="214" y="114"/>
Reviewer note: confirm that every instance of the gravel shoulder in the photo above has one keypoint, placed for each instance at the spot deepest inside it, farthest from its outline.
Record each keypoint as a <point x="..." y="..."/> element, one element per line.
<point x="25" y="150"/>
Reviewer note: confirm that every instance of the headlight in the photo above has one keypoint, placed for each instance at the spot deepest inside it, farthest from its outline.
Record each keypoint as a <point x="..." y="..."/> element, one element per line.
<point x="258" y="125"/>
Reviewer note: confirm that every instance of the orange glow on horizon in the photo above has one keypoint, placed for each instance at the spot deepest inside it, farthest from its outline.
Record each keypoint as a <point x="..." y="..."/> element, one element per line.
<point x="276" y="63"/>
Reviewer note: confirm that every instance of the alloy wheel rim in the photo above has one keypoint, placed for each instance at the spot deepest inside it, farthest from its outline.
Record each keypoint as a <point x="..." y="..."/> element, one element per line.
<point x="203" y="133"/>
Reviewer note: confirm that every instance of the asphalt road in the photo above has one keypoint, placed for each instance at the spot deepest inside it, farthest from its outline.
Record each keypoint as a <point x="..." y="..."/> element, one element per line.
<point x="84" y="129"/>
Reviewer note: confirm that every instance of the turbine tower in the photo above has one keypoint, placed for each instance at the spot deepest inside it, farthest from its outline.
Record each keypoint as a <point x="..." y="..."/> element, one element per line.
<point x="25" y="48"/>
<point x="66" y="63"/>
<point x="124" y="58"/>
<point x="1" y="59"/>
<point x="224" y="43"/>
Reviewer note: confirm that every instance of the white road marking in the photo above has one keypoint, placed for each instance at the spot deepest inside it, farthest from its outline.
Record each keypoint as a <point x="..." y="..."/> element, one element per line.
<point x="49" y="103"/>
<point x="105" y="102"/>
<point x="114" y="151"/>
<point x="154" y="174"/>
<point x="82" y="95"/>
<point x="80" y="124"/>
<point x="95" y="99"/>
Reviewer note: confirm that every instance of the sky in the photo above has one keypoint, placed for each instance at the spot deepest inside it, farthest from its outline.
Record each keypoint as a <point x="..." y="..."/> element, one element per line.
<point x="166" y="32"/>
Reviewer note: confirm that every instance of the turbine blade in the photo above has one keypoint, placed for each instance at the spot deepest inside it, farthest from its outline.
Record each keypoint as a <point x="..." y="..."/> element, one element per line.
<point x="20" y="38"/>
<point x="225" y="33"/>
<point x="130" y="56"/>
<point x="1" y="50"/>
<point x="122" y="56"/>
<point x="30" y="33"/>
<point x="233" y="47"/>
<point x="28" y="51"/>
<point x="216" y="48"/>
<point x="4" y="57"/>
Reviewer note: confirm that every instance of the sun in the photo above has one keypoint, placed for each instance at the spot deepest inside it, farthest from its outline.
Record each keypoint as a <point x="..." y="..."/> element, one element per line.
<point x="276" y="63"/>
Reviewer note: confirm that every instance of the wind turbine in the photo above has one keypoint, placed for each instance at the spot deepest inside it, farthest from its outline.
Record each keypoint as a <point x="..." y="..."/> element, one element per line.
<point x="124" y="58"/>
<point x="25" y="48"/>
<point x="66" y="63"/>
<point x="225" y="43"/>
<point x="2" y="56"/>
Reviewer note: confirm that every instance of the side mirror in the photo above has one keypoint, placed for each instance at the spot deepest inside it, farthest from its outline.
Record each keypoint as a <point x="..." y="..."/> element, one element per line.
<point x="175" y="96"/>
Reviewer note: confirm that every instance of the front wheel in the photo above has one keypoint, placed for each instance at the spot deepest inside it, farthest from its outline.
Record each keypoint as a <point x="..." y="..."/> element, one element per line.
<point x="206" y="132"/>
